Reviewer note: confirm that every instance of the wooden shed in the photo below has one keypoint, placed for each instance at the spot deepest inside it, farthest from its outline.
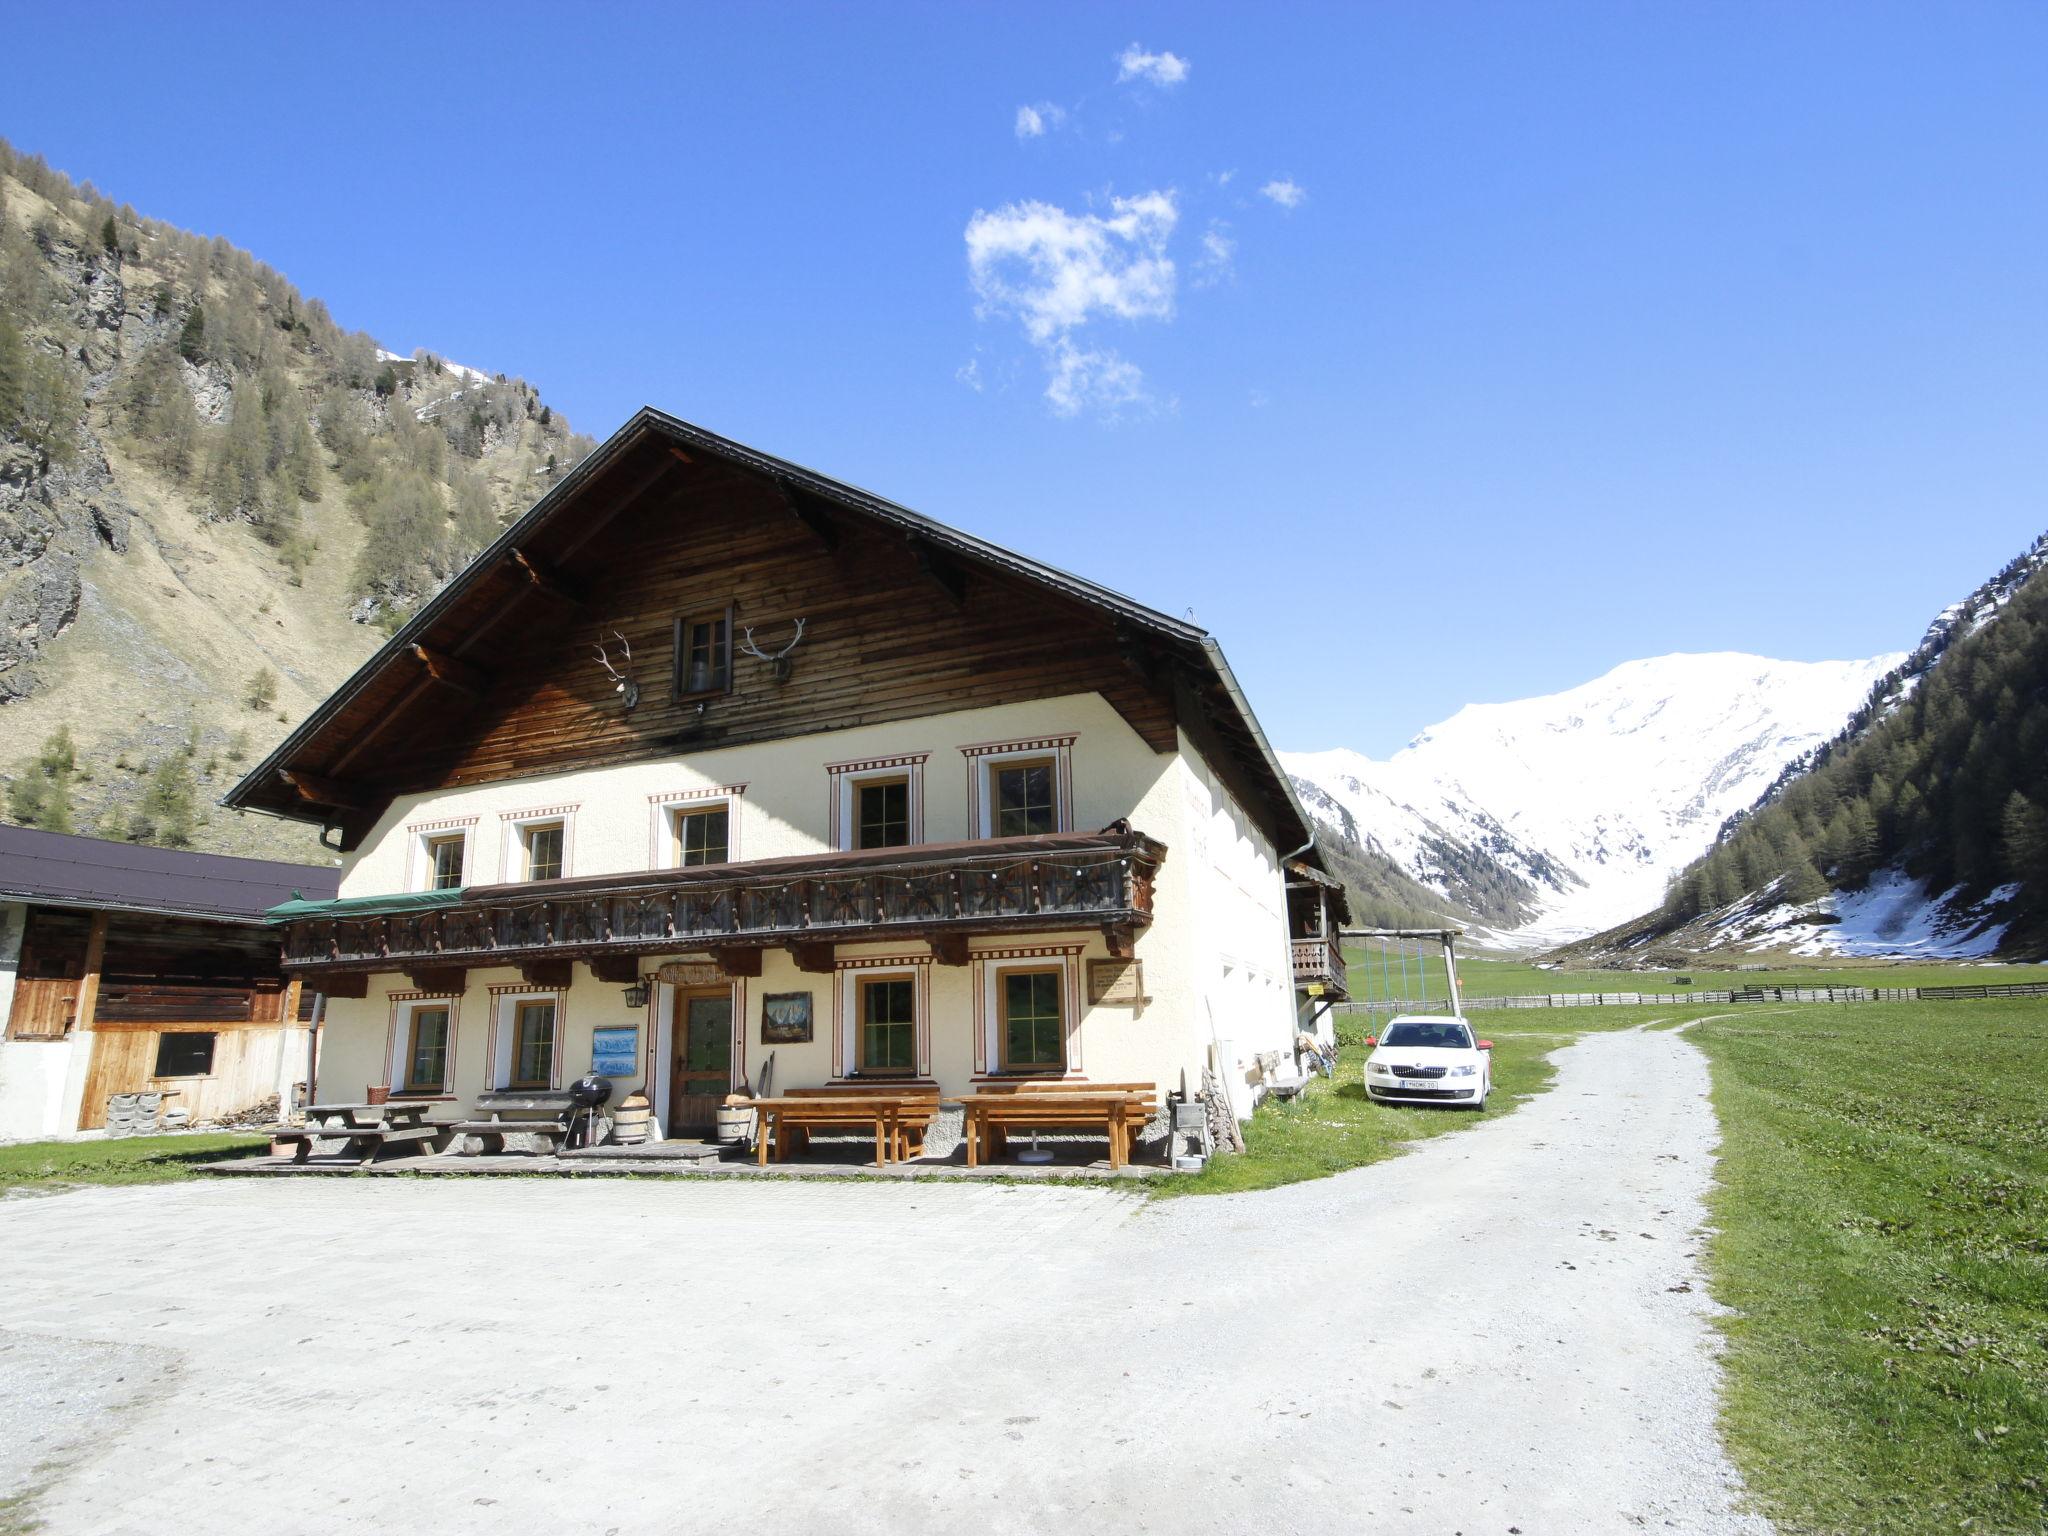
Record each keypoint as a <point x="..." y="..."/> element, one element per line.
<point x="127" y="969"/>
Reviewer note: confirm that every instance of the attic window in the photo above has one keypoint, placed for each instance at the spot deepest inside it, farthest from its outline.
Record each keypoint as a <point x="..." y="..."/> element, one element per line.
<point x="703" y="662"/>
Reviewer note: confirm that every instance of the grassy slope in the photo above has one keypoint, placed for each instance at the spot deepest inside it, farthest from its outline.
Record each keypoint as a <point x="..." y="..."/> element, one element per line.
<point x="1882" y="1208"/>
<point x="131" y="1160"/>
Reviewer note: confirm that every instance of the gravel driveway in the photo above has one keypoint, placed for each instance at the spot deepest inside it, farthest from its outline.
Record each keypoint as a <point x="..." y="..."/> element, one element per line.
<point x="1503" y="1331"/>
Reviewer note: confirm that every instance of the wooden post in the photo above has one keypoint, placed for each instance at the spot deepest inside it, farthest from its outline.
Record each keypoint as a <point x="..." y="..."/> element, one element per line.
<point x="287" y="1016"/>
<point x="88" y="1010"/>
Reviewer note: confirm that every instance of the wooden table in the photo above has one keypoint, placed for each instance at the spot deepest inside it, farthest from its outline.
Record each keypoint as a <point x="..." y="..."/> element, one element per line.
<point x="1111" y="1108"/>
<point x="370" y="1127"/>
<point x="885" y="1111"/>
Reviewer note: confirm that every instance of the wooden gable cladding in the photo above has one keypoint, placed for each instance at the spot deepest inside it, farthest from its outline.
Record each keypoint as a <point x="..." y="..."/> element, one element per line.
<point x="884" y="640"/>
<point x="497" y="675"/>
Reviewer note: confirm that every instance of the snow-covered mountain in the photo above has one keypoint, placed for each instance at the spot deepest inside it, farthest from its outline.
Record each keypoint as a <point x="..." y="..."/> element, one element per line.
<point x="1566" y="814"/>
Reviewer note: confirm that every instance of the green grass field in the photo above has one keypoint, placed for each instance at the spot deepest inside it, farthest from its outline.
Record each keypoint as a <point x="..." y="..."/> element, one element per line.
<point x="1482" y="977"/>
<point x="1883" y="1239"/>
<point x="131" y="1160"/>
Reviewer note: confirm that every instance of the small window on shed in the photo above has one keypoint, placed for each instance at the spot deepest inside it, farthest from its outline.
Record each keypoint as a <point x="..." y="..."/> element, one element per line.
<point x="186" y="1053"/>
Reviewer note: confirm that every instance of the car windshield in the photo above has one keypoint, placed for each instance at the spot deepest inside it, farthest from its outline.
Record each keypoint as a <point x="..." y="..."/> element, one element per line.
<point x="1448" y="1037"/>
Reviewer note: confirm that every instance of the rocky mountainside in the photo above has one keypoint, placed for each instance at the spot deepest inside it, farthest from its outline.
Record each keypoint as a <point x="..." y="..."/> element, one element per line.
<point x="1549" y="818"/>
<point x="214" y="503"/>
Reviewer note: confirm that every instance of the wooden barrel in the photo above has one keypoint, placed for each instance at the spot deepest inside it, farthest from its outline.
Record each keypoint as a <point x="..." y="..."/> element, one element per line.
<point x="732" y="1124"/>
<point x="633" y="1118"/>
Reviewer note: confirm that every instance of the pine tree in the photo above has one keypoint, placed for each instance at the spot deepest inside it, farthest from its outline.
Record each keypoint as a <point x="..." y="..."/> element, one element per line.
<point x="192" y="336"/>
<point x="260" y="692"/>
<point x="1803" y="883"/>
<point x="41" y="796"/>
<point x="169" y="804"/>
<point x="110" y="236"/>
<point x="2024" y="840"/>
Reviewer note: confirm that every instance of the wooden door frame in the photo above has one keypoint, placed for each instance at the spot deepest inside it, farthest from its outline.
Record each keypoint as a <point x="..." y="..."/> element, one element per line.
<point x="670" y="1004"/>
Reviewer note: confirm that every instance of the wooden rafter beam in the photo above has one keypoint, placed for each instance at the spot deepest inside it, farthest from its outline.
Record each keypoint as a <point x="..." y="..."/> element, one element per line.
<point x="344" y="984"/>
<point x="545" y="579"/>
<point x="548" y="973"/>
<point x="448" y="979"/>
<point x="938" y="569"/>
<point x="814" y="958"/>
<point x="616" y="970"/>
<point x="604" y="510"/>
<point x="738" y="962"/>
<point x="806" y="510"/>
<point x="1119" y="939"/>
<point x="949" y="948"/>
<point x="453" y="671"/>
<point x="316" y="789"/>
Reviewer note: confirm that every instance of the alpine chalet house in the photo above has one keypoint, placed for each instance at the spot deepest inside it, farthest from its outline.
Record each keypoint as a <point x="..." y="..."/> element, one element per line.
<point x="711" y="758"/>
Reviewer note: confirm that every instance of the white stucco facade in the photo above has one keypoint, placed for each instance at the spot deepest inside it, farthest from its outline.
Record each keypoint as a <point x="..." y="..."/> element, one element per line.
<point x="1215" y="958"/>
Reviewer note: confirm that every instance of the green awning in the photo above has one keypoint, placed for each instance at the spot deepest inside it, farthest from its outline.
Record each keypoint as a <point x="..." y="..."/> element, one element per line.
<point x="366" y="906"/>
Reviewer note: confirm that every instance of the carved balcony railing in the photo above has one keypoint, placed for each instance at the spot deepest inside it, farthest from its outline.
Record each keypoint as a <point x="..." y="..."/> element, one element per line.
<point x="1320" y="962"/>
<point x="1025" y="884"/>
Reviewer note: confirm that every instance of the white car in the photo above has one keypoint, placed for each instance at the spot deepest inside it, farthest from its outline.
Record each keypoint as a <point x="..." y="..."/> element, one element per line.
<point x="1425" y="1058"/>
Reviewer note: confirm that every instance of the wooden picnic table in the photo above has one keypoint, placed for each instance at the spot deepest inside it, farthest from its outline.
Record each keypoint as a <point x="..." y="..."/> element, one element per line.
<point x="889" y="1114"/>
<point x="368" y="1128"/>
<point x="1120" y="1109"/>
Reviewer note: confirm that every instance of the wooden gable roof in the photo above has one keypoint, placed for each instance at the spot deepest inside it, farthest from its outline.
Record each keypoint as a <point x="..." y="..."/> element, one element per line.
<point x="496" y="676"/>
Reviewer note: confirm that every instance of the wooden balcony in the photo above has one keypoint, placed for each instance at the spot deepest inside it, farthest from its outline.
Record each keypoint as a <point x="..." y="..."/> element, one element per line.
<point x="1320" y="961"/>
<point x="940" y="892"/>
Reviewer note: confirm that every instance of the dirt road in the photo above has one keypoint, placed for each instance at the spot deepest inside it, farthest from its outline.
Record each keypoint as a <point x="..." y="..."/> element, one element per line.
<point x="1504" y="1331"/>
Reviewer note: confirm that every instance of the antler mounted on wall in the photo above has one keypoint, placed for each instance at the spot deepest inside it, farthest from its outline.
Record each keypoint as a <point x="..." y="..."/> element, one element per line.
<point x="779" y="660"/>
<point x="626" y="686"/>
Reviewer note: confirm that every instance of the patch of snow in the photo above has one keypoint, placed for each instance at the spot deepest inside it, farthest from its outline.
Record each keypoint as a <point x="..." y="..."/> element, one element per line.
<point x="1894" y="915"/>
<point x="461" y="371"/>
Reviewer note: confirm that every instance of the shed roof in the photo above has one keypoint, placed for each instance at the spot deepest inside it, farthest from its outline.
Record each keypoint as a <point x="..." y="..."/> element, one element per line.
<point x="57" y="869"/>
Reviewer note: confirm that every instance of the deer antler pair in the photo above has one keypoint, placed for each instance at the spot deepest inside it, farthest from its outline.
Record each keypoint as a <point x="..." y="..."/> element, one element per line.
<point x="625" y="682"/>
<point x="779" y="660"/>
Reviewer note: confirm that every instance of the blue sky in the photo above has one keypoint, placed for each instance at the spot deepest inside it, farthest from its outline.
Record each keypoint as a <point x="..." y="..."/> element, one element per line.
<point x="1429" y="353"/>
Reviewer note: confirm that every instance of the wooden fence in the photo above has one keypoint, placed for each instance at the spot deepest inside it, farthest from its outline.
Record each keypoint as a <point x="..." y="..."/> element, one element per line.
<point x="1718" y="995"/>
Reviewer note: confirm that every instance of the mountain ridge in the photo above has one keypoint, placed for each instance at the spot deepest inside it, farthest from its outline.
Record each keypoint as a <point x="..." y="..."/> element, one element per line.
<point x="1574" y="808"/>
<point x="214" y="503"/>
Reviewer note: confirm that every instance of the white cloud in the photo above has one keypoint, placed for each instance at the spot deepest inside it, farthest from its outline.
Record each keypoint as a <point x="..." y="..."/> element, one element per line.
<point x="969" y="373"/>
<point x="1057" y="271"/>
<point x="1092" y="379"/>
<point x="1219" y="252"/>
<point x="1286" y="193"/>
<point x="1038" y="119"/>
<point x="1134" y="63"/>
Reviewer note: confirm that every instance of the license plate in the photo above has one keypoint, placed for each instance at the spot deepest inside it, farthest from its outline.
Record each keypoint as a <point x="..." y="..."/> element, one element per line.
<point x="1421" y="1084"/>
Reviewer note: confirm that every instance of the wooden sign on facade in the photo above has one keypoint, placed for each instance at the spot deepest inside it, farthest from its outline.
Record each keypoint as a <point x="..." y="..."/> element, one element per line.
<point x="691" y="973"/>
<point x="1117" y="981"/>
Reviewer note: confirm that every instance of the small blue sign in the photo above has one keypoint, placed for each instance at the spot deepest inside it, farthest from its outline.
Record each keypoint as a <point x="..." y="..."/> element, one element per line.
<point x="615" y="1050"/>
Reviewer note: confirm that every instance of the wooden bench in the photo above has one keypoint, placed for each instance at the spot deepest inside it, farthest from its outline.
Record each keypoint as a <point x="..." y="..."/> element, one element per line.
<point x="899" y="1115"/>
<point x="371" y="1139"/>
<point x="996" y="1109"/>
<point x="548" y="1117"/>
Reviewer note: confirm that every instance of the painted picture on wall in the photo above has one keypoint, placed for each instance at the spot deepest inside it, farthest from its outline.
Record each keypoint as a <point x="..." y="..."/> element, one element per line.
<point x="615" y="1050"/>
<point x="785" y="1018"/>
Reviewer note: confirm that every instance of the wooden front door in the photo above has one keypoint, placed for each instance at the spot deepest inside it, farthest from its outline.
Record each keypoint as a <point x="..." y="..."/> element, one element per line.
<point x="701" y="1043"/>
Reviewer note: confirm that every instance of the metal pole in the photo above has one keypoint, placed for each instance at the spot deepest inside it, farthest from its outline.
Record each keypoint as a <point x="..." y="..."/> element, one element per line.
<point x="1451" y="974"/>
